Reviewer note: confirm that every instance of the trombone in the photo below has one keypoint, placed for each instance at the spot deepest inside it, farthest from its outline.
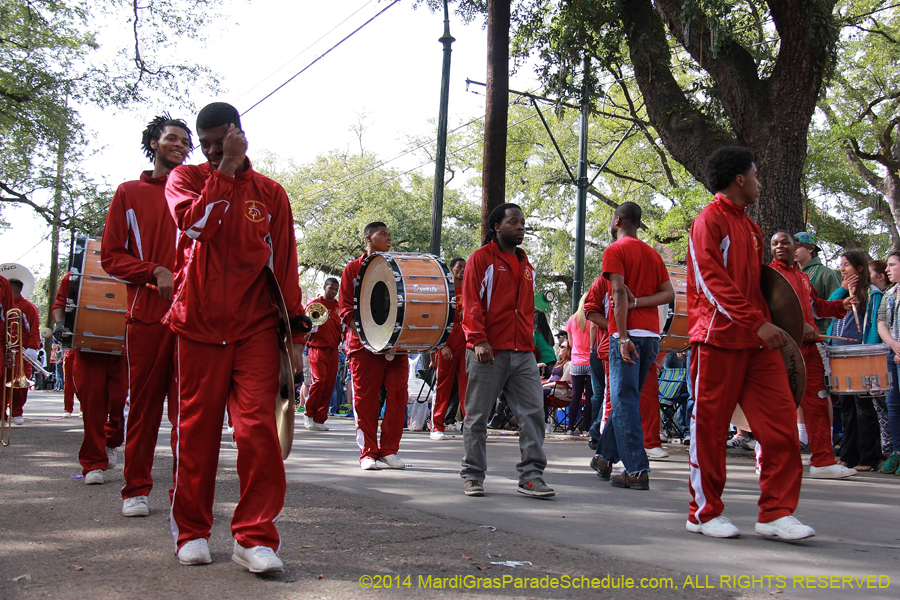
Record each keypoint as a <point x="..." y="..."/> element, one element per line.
<point x="14" y="373"/>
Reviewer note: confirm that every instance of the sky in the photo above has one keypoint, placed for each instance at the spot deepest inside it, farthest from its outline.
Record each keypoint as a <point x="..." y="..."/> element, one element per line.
<point x="389" y="71"/>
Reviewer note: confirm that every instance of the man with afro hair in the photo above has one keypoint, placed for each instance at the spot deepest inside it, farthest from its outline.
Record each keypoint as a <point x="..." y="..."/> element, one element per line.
<point x="138" y="247"/>
<point x="735" y="358"/>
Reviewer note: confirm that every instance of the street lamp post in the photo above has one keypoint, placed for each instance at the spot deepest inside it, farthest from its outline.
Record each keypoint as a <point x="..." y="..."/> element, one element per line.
<point x="440" y="159"/>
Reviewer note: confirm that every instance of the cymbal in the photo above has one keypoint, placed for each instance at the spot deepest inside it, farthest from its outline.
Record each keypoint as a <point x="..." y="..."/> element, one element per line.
<point x="783" y="302"/>
<point x="796" y="373"/>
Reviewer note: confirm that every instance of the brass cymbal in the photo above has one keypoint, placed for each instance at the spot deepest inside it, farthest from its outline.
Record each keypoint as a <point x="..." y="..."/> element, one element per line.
<point x="783" y="302"/>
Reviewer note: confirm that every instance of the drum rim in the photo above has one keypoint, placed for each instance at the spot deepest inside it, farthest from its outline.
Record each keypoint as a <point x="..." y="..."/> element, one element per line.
<point x="858" y="350"/>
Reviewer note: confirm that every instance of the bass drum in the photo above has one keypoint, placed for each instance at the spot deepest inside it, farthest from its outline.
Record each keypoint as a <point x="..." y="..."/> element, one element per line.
<point x="96" y="306"/>
<point x="403" y="302"/>
<point x="673" y="319"/>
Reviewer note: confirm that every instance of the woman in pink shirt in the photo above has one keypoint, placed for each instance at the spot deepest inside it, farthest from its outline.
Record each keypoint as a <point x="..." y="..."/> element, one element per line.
<point x="579" y="330"/>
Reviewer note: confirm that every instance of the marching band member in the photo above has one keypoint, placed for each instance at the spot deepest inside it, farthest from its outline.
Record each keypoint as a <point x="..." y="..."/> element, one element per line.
<point x="234" y="224"/>
<point x="451" y="359"/>
<point x="498" y="320"/>
<point x="816" y="403"/>
<point x="323" y="359"/>
<point x="137" y="248"/>
<point x="370" y="371"/>
<point x="735" y="358"/>
<point x="31" y="343"/>
<point x="101" y="382"/>
<point x="6" y="303"/>
<point x="638" y="283"/>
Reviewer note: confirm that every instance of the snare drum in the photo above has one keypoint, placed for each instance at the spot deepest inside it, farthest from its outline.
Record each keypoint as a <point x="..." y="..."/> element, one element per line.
<point x="860" y="369"/>
<point x="673" y="321"/>
<point x="96" y="306"/>
<point x="403" y="302"/>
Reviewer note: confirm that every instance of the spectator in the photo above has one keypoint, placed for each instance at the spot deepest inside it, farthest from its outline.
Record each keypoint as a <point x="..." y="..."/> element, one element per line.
<point x="579" y="330"/>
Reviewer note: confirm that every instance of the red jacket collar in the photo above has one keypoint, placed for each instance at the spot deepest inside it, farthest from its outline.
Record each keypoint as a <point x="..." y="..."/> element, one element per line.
<point x="729" y="206"/>
<point x="777" y="264"/>
<point x="495" y="248"/>
<point x="147" y="177"/>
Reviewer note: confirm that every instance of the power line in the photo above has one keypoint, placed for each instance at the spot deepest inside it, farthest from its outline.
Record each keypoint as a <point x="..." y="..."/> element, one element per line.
<point x="302" y="52"/>
<point x="321" y="56"/>
<point x="40" y="241"/>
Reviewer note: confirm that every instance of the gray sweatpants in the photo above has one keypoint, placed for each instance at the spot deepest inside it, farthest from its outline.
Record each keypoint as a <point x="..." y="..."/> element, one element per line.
<point x="517" y="374"/>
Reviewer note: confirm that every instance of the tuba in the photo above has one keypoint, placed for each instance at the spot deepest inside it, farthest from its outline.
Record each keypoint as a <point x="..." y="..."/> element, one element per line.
<point x="317" y="313"/>
<point x="13" y="376"/>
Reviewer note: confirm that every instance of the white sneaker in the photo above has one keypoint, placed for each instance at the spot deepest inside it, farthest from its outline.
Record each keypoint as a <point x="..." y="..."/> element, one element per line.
<point x="653" y="453"/>
<point x="738" y="441"/>
<point x="834" y="471"/>
<point x="259" y="559"/>
<point x="663" y="437"/>
<point x="195" y="552"/>
<point x="111" y="455"/>
<point x="368" y="464"/>
<point x="805" y="462"/>
<point x="720" y="527"/>
<point x="307" y="422"/>
<point x="392" y="461"/>
<point x="67" y="415"/>
<point x="317" y="427"/>
<point x="787" y="528"/>
<point x="135" y="507"/>
<point x="94" y="477"/>
<point x="18" y="420"/>
<point x="438" y="435"/>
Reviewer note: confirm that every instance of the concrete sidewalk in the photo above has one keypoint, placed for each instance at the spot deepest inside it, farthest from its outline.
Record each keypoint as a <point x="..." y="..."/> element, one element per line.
<point x="341" y="524"/>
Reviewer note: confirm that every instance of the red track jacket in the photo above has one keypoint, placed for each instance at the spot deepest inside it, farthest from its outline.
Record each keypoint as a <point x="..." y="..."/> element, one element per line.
<point x="492" y="313"/>
<point x="30" y="322"/>
<point x="329" y="334"/>
<point x="725" y="301"/>
<point x="345" y="300"/>
<point x="231" y="228"/>
<point x="813" y="306"/>
<point x="140" y="236"/>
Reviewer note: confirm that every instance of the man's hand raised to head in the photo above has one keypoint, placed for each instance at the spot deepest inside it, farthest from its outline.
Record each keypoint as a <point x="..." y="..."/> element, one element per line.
<point x="234" y="150"/>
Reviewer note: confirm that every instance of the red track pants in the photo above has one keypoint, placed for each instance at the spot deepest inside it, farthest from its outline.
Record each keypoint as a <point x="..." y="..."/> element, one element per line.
<point x="69" y="382"/>
<point x="20" y="396"/>
<point x="816" y="405"/>
<point x="650" y="409"/>
<point x="150" y="354"/>
<point x="448" y="371"/>
<point x="102" y="386"/>
<point x="323" y="365"/>
<point x="245" y="376"/>
<point x="371" y="371"/>
<point x="758" y="381"/>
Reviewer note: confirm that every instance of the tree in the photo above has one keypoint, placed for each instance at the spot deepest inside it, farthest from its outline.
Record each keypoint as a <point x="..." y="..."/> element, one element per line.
<point x="858" y="135"/>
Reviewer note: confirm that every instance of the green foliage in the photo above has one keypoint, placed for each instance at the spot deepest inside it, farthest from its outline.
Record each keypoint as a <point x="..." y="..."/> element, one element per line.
<point x="337" y="195"/>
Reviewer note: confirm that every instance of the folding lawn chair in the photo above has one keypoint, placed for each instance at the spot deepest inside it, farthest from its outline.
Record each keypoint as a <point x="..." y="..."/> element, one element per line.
<point x="673" y="394"/>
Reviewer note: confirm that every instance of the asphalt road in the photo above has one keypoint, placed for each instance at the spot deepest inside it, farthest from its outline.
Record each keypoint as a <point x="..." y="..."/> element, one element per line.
<point x="345" y="531"/>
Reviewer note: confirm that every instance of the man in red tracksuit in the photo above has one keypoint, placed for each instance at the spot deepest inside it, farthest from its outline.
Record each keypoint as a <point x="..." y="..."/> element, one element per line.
<point x="498" y="320"/>
<point x="816" y="403"/>
<point x="101" y="382"/>
<point x="650" y="422"/>
<point x="735" y="358"/>
<point x="6" y="303"/>
<point x="138" y="248"/>
<point x="235" y="223"/>
<point x="69" y="383"/>
<point x="31" y="343"/>
<point x="323" y="359"/>
<point x="451" y="360"/>
<point x="371" y="371"/>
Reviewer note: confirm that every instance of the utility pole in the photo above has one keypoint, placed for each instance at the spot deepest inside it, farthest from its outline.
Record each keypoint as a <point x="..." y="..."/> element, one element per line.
<point x="496" y="110"/>
<point x="581" y="195"/>
<point x="440" y="158"/>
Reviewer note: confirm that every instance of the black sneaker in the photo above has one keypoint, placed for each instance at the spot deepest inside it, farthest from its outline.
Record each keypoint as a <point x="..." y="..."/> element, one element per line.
<point x="537" y="488"/>
<point x="473" y="487"/>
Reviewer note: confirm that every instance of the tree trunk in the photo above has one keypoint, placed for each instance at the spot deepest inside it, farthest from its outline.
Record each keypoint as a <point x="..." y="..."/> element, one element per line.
<point x="53" y="283"/>
<point x="493" y="178"/>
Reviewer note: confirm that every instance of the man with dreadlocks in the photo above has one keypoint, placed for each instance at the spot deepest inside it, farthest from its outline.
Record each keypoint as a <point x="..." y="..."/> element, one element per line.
<point x="498" y="321"/>
<point x="139" y="247"/>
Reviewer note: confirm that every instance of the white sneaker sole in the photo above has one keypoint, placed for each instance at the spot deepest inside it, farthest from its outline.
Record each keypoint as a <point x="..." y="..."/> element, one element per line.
<point x="237" y="559"/>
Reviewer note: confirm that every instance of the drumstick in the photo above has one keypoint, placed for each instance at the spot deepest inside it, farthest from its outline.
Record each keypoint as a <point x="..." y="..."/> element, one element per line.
<point x="151" y="286"/>
<point x="856" y="317"/>
<point x="834" y="337"/>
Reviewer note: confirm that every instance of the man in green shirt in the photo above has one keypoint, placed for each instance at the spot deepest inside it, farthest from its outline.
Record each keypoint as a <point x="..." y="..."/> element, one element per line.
<point x="823" y="279"/>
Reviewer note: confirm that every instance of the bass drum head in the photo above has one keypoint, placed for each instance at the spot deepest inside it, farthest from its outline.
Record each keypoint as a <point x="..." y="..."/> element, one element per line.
<point x="76" y="270"/>
<point x="378" y="313"/>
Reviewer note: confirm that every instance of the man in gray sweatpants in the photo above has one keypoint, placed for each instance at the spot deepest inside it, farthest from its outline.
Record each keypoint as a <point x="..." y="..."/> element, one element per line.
<point x="498" y="320"/>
